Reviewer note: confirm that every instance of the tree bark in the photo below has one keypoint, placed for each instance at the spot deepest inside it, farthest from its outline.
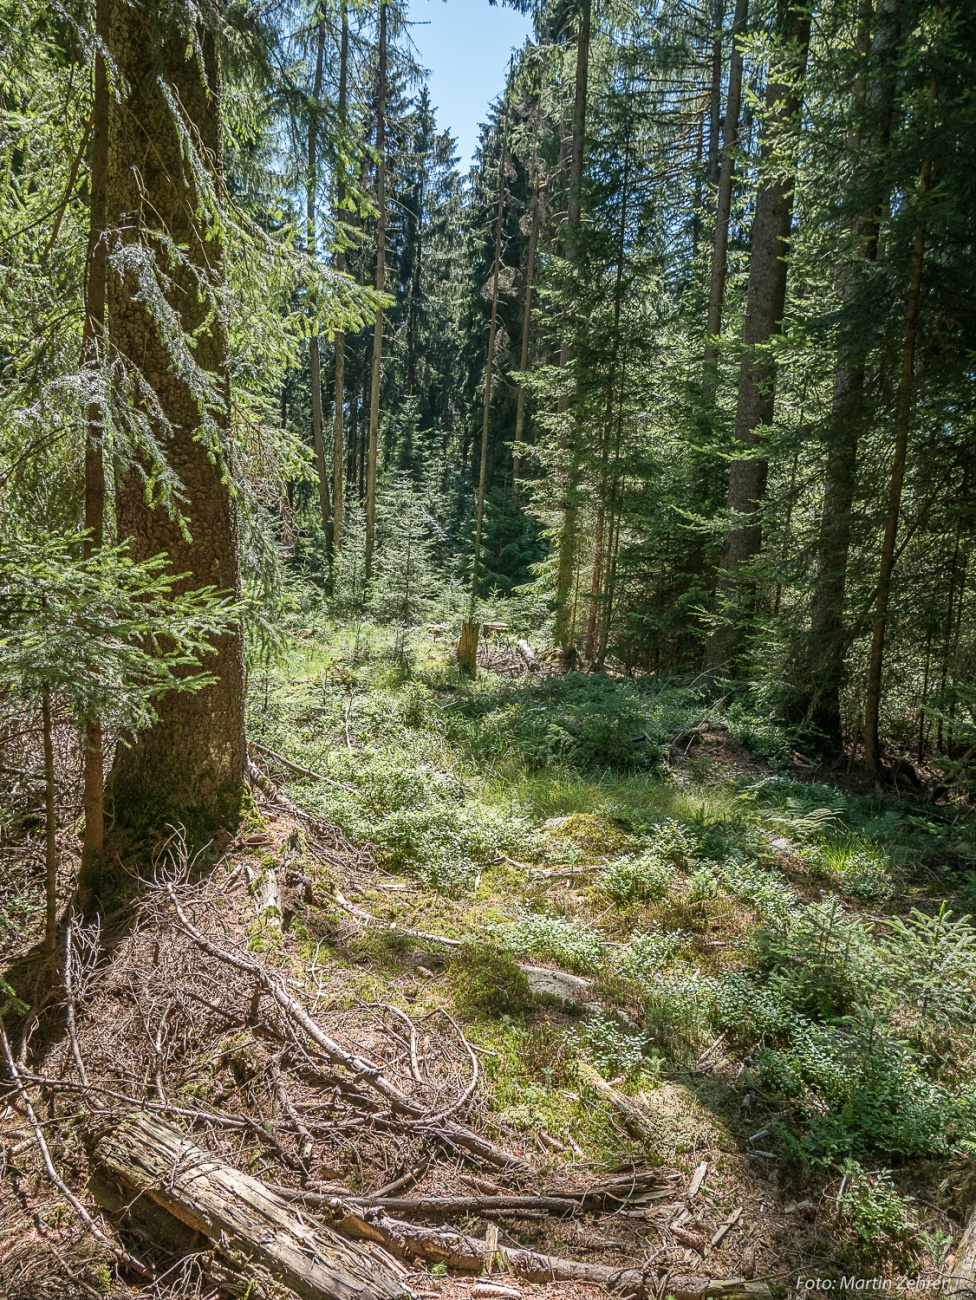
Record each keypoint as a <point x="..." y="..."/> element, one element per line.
<point x="374" y="391"/>
<point x="467" y="649"/>
<point x="766" y="303"/>
<point x="314" y="354"/>
<point x="564" y="632"/>
<point x="190" y="764"/>
<point x="828" y="636"/>
<point x="338" y="432"/>
<point x="904" y="405"/>
<point x="145" y="1159"/>
<point x="93" y="359"/>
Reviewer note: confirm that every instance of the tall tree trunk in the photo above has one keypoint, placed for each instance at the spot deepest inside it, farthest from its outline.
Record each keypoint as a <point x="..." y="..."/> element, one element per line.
<point x="526" y="320"/>
<point x="314" y="355"/>
<point x="468" y="645"/>
<point x="189" y="766"/>
<point x="828" y="636"/>
<point x="904" y="404"/>
<point x="490" y="358"/>
<point x="723" y="201"/>
<point x="597" y="575"/>
<point x="93" y="358"/>
<point x="374" y="391"/>
<point x="338" y="432"/>
<point x="765" y="305"/>
<point x="715" y="98"/>
<point x="563" y="633"/>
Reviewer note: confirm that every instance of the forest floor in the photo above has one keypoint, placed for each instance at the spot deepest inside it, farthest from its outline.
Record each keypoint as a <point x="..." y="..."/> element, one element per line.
<point x="670" y="943"/>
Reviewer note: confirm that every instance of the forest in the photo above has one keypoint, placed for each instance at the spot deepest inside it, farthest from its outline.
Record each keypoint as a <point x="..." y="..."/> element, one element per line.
<point x="487" y="696"/>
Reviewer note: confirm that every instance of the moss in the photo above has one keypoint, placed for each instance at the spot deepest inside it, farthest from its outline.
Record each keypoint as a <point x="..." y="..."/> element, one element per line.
<point x="601" y="835"/>
<point x="489" y="982"/>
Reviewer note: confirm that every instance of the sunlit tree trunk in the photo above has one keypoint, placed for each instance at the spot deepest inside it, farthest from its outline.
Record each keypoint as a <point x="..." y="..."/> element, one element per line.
<point x="189" y="766"/>
<point x="374" y="391"/>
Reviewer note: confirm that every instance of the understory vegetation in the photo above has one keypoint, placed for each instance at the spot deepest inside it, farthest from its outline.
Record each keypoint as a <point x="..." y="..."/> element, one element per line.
<point x="798" y="954"/>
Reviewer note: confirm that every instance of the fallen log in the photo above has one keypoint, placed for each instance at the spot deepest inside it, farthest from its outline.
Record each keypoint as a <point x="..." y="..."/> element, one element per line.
<point x="149" y="1160"/>
<point x="465" y="1253"/>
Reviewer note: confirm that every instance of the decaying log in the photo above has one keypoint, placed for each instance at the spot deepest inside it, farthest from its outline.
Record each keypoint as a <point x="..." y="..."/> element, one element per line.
<point x="637" y="1122"/>
<point x="237" y="1212"/>
<point x="465" y="1253"/>
<point x="529" y="655"/>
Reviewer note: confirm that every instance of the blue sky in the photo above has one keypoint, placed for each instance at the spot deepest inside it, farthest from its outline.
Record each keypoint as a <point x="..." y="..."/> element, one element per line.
<point x="466" y="45"/>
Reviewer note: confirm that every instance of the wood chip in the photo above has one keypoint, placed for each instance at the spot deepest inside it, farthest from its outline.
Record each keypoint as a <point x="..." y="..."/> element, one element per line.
<point x="697" y="1178"/>
<point x="723" y="1228"/>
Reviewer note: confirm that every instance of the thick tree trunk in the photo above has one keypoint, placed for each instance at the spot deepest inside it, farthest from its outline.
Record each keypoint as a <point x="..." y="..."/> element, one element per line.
<point x="828" y="636"/>
<point x="144" y="1160"/>
<point x="314" y="353"/>
<point x="765" y="305"/>
<point x="374" y="391"/>
<point x="338" y="455"/>
<point x="93" y="358"/>
<point x="190" y="765"/>
<point x="566" y="566"/>
<point x="904" y="405"/>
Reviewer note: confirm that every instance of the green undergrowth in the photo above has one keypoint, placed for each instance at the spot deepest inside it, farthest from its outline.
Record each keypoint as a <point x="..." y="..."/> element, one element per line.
<point x="821" y="937"/>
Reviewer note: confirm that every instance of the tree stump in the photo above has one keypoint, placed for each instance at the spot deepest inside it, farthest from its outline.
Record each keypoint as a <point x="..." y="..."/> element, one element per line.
<point x="467" y="650"/>
<point x="152" y="1161"/>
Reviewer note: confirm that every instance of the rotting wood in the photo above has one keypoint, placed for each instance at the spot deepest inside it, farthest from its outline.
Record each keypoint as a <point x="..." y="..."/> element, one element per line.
<point x="697" y="1178"/>
<point x="637" y="1122"/>
<point x="237" y="1212"/>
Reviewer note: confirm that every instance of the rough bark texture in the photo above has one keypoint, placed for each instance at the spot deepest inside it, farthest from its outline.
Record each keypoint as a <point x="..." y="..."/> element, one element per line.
<point x="190" y="765"/>
<point x="467" y="649"/>
<point x="152" y="1161"/>
<point x="765" y="305"/>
